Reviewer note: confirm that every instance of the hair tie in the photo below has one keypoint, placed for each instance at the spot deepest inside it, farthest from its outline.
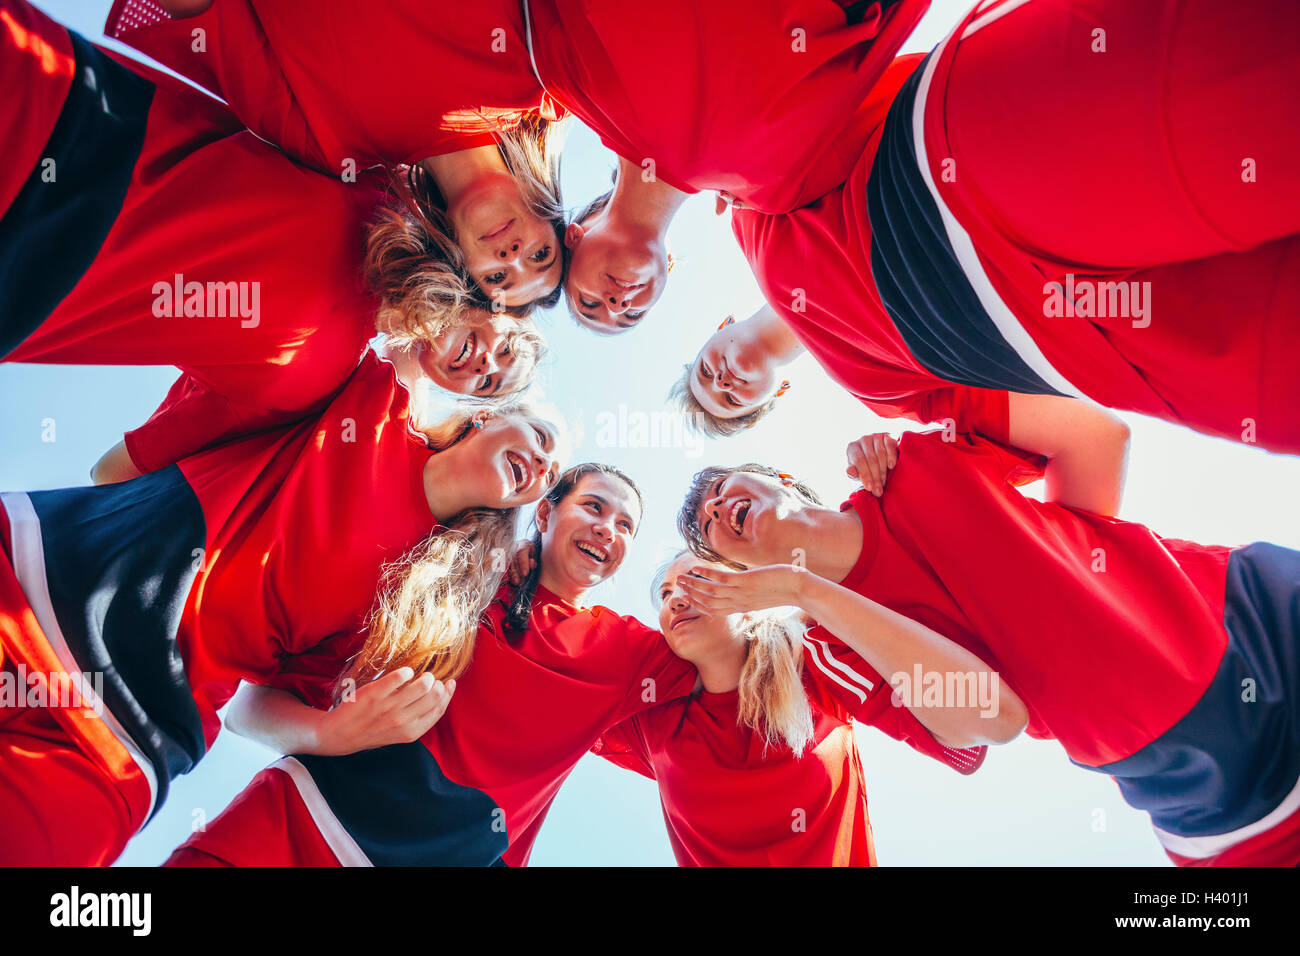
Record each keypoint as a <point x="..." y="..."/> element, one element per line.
<point x="785" y="387"/>
<point x="787" y="480"/>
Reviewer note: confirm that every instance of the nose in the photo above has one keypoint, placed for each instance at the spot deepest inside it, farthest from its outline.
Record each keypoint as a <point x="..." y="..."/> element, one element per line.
<point x="542" y="463"/>
<point x="677" y="600"/>
<point x="486" y="363"/>
<point x="602" y="531"/>
<point x="509" y="252"/>
<point x="714" y="508"/>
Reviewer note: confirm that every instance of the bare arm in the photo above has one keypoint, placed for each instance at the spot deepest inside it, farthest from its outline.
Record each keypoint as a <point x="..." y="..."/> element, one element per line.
<point x="393" y="709"/>
<point x="115" y="466"/>
<point x="1086" y="449"/>
<point x="888" y="641"/>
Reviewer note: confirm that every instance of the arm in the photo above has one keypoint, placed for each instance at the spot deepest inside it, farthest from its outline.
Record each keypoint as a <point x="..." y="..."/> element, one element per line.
<point x="115" y="466"/>
<point x="891" y="643"/>
<point x="1086" y="449"/>
<point x="395" y="708"/>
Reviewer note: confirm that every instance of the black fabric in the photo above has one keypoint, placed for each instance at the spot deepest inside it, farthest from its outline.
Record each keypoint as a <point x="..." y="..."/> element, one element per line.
<point x="120" y="561"/>
<point x="53" y="231"/>
<point x="401" y="809"/>
<point x="921" y="283"/>
<point x="1236" y="755"/>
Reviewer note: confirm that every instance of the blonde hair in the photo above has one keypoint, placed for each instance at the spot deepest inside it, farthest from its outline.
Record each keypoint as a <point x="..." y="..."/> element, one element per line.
<point x="704" y="422"/>
<point x="771" y="697"/>
<point x="413" y="262"/>
<point x="431" y="600"/>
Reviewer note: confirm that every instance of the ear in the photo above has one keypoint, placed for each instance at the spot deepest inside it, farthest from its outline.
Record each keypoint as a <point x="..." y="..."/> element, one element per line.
<point x="573" y="234"/>
<point x="543" y="515"/>
<point x="480" y="418"/>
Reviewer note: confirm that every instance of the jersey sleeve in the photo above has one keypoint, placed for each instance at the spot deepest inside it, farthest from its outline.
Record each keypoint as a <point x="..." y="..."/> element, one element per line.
<point x="842" y="683"/>
<point x="191" y="418"/>
<point x="624" y="746"/>
<point x="312" y="675"/>
<point x="654" y="673"/>
<point x="980" y="411"/>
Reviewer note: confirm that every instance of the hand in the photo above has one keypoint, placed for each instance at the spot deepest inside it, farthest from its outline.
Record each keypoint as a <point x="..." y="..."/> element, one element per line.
<point x="522" y="562"/>
<point x="396" y="708"/>
<point x="870" y="458"/>
<point x="726" y="200"/>
<point x="717" y="591"/>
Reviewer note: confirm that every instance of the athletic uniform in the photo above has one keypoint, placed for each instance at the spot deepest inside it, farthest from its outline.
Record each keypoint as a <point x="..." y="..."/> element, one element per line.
<point x="1170" y="665"/>
<point x="144" y="226"/>
<point x="1151" y="268"/>
<point x="179" y="584"/>
<point x="352" y="83"/>
<point x="731" y="800"/>
<point x="474" y="790"/>
<point x="761" y="99"/>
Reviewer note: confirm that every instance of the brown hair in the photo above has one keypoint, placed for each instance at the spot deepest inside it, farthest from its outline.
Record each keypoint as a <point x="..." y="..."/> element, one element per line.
<point x="704" y="422"/>
<point x="688" y="522"/>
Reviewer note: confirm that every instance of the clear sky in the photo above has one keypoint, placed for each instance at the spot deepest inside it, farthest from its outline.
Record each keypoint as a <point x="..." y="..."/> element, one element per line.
<point x="1027" y="805"/>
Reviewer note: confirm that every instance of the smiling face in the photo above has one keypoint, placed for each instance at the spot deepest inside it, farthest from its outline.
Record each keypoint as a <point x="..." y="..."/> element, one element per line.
<point x="586" y="535"/>
<point x="509" y="462"/>
<point x="615" y="274"/>
<point x="691" y="634"/>
<point x="752" y="520"/>
<point x="732" y="376"/>
<point x="512" y="254"/>
<point x="476" y="359"/>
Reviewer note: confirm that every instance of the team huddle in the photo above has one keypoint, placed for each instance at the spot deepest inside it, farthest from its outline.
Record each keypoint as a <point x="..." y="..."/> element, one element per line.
<point x="319" y="529"/>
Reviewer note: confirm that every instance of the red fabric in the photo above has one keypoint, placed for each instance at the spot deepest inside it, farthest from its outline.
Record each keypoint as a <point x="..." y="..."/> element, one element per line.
<point x="1277" y="846"/>
<point x="1150" y="190"/>
<point x="725" y="94"/>
<point x="211" y="203"/>
<point x="1019" y="583"/>
<point x="299" y="526"/>
<point x="58" y="807"/>
<point x="268" y="820"/>
<point x="529" y="706"/>
<point x="36" y="58"/>
<point x="813" y="266"/>
<point x="372" y="83"/>
<point x="729" y="800"/>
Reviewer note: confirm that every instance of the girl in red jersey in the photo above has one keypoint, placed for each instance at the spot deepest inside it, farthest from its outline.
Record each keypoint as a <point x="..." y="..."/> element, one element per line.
<point x="760" y="766"/>
<point x="777" y="144"/>
<point x="451" y="96"/>
<point x="1148" y="264"/>
<point x="547" y="677"/>
<point x="1170" y="665"/>
<point x="178" y="585"/>
<point x="254" y="290"/>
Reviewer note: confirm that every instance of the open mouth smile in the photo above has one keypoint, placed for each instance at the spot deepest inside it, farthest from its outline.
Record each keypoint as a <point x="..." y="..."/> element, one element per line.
<point x="466" y="353"/>
<point x="736" y="517"/>
<point x="593" y="551"/>
<point x="519" y="468"/>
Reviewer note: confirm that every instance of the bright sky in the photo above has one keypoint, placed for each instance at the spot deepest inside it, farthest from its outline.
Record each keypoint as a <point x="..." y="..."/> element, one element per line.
<point x="1027" y="805"/>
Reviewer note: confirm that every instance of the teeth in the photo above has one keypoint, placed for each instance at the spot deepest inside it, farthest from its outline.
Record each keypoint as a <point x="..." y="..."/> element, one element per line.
<point x="466" y="352"/>
<point x="735" y="518"/>
<point x="600" y="554"/>
<point x="516" y="466"/>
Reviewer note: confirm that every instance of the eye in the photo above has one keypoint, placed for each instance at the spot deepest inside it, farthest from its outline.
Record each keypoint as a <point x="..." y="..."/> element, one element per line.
<point x="543" y="436"/>
<point x="706" y="371"/>
<point x="633" y="316"/>
<point x="542" y="254"/>
<point x="495" y="278"/>
<point x="626" y="526"/>
<point x="485" y="385"/>
<point x="585" y="303"/>
<point x="594" y="506"/>
<point x="732" y="401"/>
<point x="505" y="349"/>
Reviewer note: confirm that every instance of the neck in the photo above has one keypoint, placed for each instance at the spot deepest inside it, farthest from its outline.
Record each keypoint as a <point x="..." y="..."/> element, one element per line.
<point x="456" y="172"/>
<point x="720" y="671"/>
<point x="562" y="588"/>
<point x="839" y="542"/>
<point x="644" y="206"/>
<point x="446" y="494"/>
<point x="773" y="336"/>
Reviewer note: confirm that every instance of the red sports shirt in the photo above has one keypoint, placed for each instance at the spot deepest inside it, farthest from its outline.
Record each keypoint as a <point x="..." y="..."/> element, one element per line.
<point x="762" y="98"/>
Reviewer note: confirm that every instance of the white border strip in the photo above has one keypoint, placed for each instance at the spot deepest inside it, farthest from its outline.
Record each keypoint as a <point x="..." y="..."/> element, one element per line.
<point x="1203" y="846"/>
<point x="991" y="14"/>
<point x="964" y="249"/>
<point x="811" y="645"/>
<point x="331" y="830"/>
<point x="29" y="568"/>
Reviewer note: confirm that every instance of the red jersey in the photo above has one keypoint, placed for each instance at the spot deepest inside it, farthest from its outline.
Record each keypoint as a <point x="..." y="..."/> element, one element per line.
<point x="762" y="99"/>
<point x="367" y="83"/>
<point x="220" y="256"/>
<point x="729" y="800"/>
<point x="1072" y="608"/>
<point x="524" y="713"/>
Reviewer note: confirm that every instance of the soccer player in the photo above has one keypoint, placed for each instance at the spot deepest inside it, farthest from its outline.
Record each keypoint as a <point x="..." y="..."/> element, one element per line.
<point x="177" y="585"/>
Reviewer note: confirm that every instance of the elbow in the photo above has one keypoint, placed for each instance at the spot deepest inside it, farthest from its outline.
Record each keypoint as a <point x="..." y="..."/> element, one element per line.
<point x="1009" y="719"/>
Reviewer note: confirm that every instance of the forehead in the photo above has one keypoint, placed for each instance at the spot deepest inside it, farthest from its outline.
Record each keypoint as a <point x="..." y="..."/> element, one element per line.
<point x="613" y="490"/>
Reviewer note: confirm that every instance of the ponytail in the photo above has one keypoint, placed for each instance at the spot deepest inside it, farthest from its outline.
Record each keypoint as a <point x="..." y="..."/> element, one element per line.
<point x="772" y="700"/>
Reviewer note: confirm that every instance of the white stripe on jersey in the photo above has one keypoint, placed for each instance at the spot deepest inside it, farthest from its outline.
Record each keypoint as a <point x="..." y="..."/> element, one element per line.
<point x="1199" y="848"/>
<point x="859" y="685"/>
<point x="29" y="568"/>
<point x="992" y="11"/>
<point x="1004" y="320"/>
<point x="331" y="830"/>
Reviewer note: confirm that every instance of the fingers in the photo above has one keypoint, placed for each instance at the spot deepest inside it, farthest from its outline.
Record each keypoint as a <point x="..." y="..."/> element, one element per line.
<point x="869" y="460"/>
